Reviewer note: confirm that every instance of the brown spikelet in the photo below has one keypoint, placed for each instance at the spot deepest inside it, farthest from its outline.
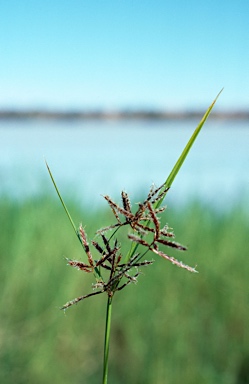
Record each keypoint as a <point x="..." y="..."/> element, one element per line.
<point x="172" y="244"/>
<point x="144" y="228"/>
<point x="159" y="194"/>
<point x="113" y="206"/>
<point x="131" y="279"/>
<point x="143" y="263"/>
<point x="98" y="247"/>
<point x="174" y="261"/>
<point x="79" y="265"/>
<point x="86" y="245"/>
<point x="140" y="212"/>
<point x="159" y="210"/>
<point x="102" y="260"/>
<point x="155" y="220"/>
<point x="141" y="229"/>
<point x="126" y="201"/>
<point x="103" y="265"/>
<point x="153" y="192"/>
<point x="106" y="229"/>
<point x="119" y="259"/>
<point x="106" y="242"/>
<point x="78" y="299"/>
<point x="116" y="209"/>
<point x="138" y="240"/>
<point x="165" y="232"/>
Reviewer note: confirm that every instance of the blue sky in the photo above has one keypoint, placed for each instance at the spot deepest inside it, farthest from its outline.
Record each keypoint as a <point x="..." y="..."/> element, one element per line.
<point x="124" y="54"/>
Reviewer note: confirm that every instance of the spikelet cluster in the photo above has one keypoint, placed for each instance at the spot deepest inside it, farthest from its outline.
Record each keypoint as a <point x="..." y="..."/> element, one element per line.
<point x="146" y="235"/>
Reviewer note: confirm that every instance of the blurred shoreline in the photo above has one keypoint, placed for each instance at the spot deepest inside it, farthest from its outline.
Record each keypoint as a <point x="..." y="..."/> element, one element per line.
<point x="139" y="114"/>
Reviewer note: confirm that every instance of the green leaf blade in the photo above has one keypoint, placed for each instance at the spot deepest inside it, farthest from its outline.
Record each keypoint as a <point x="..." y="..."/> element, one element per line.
<point x="177" y="166"/>
<point x="62" y="201"/>
<point x="185" y="152"/>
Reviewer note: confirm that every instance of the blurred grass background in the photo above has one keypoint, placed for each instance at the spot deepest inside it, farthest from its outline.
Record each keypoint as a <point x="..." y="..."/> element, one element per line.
<point x="172" y="327"/>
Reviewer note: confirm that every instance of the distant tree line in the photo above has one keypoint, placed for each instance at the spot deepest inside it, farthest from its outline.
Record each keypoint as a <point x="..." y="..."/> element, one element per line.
<point x="118" y="115"/>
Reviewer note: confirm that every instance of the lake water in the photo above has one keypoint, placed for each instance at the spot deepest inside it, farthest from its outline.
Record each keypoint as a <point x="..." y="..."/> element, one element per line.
<point x="89" y="159"/>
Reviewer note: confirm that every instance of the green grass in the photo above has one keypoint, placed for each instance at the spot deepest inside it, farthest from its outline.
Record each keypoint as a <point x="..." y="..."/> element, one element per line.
<point x="172" y="327"/>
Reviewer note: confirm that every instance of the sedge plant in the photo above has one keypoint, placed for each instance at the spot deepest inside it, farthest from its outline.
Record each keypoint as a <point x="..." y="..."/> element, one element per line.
<point x="114" y="270"/>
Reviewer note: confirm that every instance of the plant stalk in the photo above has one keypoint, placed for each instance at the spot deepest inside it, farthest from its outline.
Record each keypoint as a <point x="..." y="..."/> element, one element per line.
<point x="107" y="338"/>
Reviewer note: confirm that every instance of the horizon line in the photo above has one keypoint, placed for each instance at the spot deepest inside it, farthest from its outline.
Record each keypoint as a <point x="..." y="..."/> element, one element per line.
<point x="119" y="114"/>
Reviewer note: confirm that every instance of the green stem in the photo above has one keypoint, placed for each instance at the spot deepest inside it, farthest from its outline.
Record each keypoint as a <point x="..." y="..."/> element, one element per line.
<point x="107" y="338"/>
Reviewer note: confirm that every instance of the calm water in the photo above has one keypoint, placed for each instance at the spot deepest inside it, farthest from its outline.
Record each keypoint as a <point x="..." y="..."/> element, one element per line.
<point x="90" y="159"/>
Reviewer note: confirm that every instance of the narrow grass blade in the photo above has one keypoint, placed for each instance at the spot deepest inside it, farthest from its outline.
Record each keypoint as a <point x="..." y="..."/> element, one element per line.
<point x="97" y="273"/>
<point x="177" y="167"/>
<point x="185" y="152"/>
<point x="62" y="201"/>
